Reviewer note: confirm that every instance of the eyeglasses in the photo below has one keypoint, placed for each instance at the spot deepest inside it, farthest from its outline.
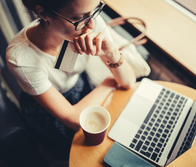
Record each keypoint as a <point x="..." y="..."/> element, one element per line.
<point x="83" y="22"/>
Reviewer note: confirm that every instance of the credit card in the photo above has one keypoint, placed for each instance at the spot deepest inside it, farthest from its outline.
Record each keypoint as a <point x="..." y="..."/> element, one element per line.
<point x="66" y="57"/>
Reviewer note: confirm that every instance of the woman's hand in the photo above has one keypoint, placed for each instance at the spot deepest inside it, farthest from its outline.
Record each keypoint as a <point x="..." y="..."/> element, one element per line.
<point x="94" y="43"/>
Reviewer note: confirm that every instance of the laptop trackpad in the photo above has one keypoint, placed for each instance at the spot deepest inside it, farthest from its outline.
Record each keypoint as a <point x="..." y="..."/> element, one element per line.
<point x="137" y="109"/>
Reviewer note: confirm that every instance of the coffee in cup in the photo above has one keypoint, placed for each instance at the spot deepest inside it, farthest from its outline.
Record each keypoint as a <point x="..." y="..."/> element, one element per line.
<point x="94" y="121"/>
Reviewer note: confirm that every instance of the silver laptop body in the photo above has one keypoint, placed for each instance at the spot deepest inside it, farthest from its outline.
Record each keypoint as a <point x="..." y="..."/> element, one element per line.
<point x="154" y="122"/>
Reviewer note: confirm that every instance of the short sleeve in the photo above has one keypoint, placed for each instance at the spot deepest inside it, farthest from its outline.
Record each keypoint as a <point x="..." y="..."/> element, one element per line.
<point x="32" y="80"/>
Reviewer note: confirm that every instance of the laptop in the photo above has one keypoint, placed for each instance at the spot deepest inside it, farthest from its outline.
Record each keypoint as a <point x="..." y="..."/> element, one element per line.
<point x="186" y="7"/>
<point x="158" y="124"/>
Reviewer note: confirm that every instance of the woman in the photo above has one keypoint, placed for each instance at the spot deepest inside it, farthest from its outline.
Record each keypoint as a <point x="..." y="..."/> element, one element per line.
<point x="52" y="100"/>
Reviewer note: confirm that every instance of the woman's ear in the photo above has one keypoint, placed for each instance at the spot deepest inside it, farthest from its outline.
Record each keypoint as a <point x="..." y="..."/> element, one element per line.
<point x="40" y="12"/>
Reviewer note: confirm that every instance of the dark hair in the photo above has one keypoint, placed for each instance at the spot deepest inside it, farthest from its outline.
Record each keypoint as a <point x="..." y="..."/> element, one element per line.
<point x="47" y="5"/>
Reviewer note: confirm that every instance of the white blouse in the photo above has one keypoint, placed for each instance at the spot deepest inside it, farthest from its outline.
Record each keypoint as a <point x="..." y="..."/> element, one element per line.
<point x="34" y="69"/>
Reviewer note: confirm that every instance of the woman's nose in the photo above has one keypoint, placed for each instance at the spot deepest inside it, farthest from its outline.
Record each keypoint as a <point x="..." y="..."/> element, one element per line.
<point x="91" y="24"/>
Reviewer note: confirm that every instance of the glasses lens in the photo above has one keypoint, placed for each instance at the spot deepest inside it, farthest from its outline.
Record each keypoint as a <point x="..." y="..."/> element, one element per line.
<point x="97" y="12"/>
<point x="83" y="23"/>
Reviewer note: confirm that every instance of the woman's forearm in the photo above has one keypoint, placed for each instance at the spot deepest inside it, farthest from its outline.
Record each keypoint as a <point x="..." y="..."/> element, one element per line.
<point x="123" y="74"/>
<point x="68" y="114"/>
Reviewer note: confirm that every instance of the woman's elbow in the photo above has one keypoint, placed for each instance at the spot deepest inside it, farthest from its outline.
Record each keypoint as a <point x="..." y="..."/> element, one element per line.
<point x="129" y="84"/>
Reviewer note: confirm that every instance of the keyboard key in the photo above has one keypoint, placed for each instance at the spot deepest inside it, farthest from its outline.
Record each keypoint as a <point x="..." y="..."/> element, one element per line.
<point x="159" y="145"/>
<point x="171" y="109"/>
<point x="177" y="97"/>
<point x="145" y="133"/>
<point x="147" y="128"/>
<point x="138" y="146"/>
<point x="157" y="150"/>
<point x="160" y="130"/>
<point x="164" y="135"/>
<point x="147" y="143"/>
<point x="148" y="154"/>
<point x="149" y="114"/>
<point x="149" y="138"/>
<point x="158" y="120"/>
<point x="134" y="141"/>
<point x="182" y="98"/>
<point x="132" y="145"/>
<point x="142" y="127"/>
<point x="143" y="138"/>
<point x="144" y="148"/>
<point x="164" y="121"/>
<point x="139" y="131"/>
<point x="154" y="156"/>
<point x="180" y="102"/>
<point x="172" y="95"/>
<point x="162" y="140"/>
<point x="160" y="116"/>
<point x="142" y="152"/>
<point x="157" y="111"/>
<point x="168" y="126"/>
<point x="155" y="139"/>
<point x="155" y="115"/>
<point x="150" y="149"/>
<point x="157" y="135"/>
<point x="162" y="126"/>
<point x="160" y="154"/>
<point x="153" y="144"/>
<point x="154" y="129"/>
<point x="174" y="113"/>
<point x="168" y="113"/>
<point x="171" y="122"/>
<point x="152" y="133"/>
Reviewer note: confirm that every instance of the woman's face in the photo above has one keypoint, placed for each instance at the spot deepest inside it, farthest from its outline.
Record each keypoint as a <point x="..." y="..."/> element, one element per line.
<point x="73" y="12"/>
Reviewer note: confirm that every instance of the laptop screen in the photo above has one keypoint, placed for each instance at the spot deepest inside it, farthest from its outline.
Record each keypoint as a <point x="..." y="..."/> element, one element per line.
<point x="188" y="4"/>
<point x="186" y="7"/>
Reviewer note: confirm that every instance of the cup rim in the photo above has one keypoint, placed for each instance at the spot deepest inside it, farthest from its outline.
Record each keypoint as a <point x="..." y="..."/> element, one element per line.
<point x="100" y="130"/>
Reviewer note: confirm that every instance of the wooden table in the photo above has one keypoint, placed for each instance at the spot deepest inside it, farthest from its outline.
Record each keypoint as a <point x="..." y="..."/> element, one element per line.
<point x="84" y="155"/>
<point x="169" y="29"/>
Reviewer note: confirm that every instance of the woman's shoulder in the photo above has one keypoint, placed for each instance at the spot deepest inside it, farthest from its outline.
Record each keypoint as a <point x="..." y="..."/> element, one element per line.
<point x="18" y="47"/>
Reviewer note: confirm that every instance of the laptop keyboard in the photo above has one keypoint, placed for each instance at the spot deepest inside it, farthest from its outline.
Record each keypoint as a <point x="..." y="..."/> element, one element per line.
<point x="158" y="125"/>
<point x="189" y="139"/>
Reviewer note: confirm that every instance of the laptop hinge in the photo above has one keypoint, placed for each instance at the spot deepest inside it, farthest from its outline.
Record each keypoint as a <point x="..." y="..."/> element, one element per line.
<point x="177" y="137"/>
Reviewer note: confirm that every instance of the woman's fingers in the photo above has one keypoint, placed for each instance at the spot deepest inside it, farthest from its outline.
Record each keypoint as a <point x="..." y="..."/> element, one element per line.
<point x="89" y="43"/>
<point x="93" y="43"/>
<point x="81" y="43"/>
<point x="99" y="41"/>
<point x="77" y="46"/>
